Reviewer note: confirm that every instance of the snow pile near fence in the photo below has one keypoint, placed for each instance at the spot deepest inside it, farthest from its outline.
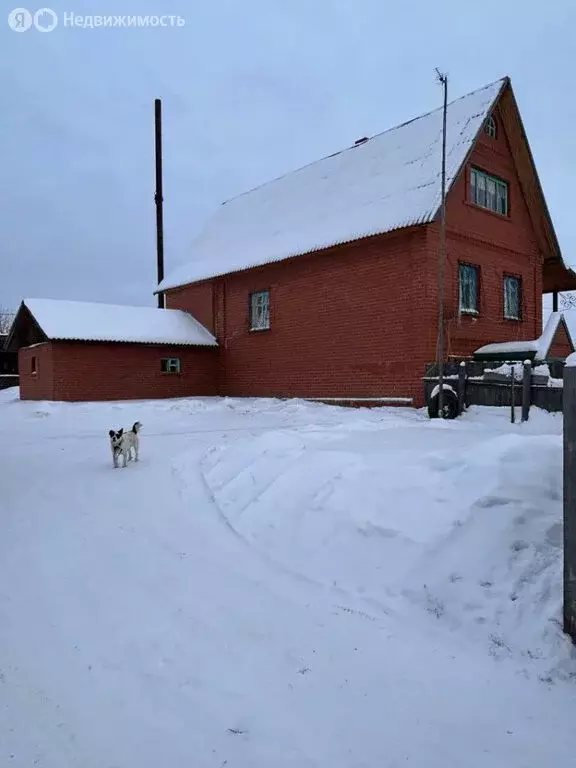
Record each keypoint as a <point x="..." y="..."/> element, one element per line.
<point x="470" y="531"/>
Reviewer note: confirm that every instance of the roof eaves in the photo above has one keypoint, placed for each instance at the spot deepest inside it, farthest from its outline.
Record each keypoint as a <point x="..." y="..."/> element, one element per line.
<point x="424" y="219"/>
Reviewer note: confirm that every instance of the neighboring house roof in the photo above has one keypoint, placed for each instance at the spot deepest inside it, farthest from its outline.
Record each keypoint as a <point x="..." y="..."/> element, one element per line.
<point x="388" y="182"/>
<point x="535" y="349"/>
<point x="88" y="321"/>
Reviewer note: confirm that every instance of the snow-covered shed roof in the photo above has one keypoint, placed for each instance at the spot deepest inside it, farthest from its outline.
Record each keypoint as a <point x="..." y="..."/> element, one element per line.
<point x="390" y="181"/>
<point x="536" y="349"/>
<point x="91" y="321"/>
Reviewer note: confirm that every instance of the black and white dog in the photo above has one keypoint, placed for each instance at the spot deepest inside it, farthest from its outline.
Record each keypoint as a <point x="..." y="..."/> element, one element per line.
<point x="123" y="443"/>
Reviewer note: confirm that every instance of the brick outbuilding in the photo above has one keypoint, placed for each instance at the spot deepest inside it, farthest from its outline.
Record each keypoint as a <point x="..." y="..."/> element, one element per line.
<point x="88" y="351"/>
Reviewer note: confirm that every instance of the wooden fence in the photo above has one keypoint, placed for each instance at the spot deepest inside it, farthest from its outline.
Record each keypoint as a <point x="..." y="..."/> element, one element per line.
<point x="481" y="391"/>
<point x="570" y="502"/>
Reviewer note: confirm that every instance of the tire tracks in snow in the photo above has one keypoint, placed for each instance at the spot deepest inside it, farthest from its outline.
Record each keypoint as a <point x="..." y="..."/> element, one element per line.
<point x="348" y="603"/>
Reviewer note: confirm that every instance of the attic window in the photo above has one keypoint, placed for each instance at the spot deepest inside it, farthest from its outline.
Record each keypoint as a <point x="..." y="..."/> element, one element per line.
<point x="490" y="127"/>
<point x="488" y="192"/>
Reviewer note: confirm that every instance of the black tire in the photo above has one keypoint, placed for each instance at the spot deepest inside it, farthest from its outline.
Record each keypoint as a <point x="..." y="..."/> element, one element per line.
<point x="449" y="405"/>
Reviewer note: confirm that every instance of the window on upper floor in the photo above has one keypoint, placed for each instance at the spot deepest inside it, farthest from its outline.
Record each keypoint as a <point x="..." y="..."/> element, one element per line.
<point x="469" y="289"/>
<point x="512" y="297"/>
<point x="490" y="127"/>
<point x="488" y="192"/>
<point x="259" y="311"/>
<point x="33" y="364"/>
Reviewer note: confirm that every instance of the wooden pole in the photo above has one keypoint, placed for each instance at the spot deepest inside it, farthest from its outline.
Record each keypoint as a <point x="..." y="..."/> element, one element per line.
<point x="443" y="80"/>
<point x="512" y="395"/>
<point x="461" y="387"/>
<point x="158" y="198"/>
<point x="569" y="408"/>
<point x="555" y="301"/>
<point x="526" y="389"/>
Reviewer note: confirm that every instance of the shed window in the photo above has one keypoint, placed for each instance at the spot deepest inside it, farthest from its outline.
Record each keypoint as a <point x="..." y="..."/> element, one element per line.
<point x="512" y="298"/>
<point x="469" y="284"/>
<point x="488" y="192"/>
<point x="170" y="365"/>
<point x="490" y="127"/>
<point x="260" y="310"/>
<point x="33" y="364"/>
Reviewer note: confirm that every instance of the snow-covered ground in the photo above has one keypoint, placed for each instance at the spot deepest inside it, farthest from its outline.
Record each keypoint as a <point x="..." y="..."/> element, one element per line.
<point x="281" y="584"/>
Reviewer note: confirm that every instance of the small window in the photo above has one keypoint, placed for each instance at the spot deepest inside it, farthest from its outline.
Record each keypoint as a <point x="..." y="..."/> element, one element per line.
<point x="33" y="364"/>
<point x="468" y="283"/>
<point x="512" y="298"/>
<point x="488" y="192"/>
<point x="260" y="311"/>
<point x="490" y="127"/>
<point x="170" y="365"/>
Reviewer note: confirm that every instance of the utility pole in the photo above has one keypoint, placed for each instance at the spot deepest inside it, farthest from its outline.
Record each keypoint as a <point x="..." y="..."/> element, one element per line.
<point x="443" y="80"/>
<point x="158" y="198"/>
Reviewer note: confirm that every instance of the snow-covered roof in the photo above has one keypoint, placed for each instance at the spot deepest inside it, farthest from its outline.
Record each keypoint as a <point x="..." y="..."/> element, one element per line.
<point x="390" y="181"/>
<point x="537" y="348"/>
<point x="88" y="321"/>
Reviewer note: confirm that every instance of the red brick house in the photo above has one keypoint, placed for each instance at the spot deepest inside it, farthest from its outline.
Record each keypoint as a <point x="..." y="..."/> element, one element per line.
<point x="323" y="283"/>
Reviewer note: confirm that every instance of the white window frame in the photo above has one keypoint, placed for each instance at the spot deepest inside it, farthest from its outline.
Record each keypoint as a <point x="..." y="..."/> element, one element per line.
<point x="260" y="310"/>
<point x="486" y="191"/>
<point x="468" y="310"/>
<point x="518" y="281"/>
<point x="170" y="365"/>
<point x="490" y="127"/>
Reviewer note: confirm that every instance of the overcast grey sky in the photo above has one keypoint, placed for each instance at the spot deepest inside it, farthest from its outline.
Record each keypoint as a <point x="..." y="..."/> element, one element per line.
<point x="251" y="89"/>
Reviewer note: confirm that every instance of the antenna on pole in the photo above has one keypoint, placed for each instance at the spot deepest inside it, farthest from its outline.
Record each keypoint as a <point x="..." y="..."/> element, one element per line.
<point x="443" y="80"/>
<point x="158" y="198"/>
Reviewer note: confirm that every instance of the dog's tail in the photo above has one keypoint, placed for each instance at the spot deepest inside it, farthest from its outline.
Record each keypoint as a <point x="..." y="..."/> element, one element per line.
<point x="136" y="427"/>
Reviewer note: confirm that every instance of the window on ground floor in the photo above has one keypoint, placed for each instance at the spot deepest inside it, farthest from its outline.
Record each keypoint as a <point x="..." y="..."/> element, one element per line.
<point x="469" y="285"/>
<point x="260" y="311"/>
<point x="170" y="365"/>
<point x="512" y="297"/>
<point x="488" y="192"/>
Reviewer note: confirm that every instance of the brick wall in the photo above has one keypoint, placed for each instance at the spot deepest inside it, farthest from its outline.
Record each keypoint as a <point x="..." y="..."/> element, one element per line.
<point x="342" y="323"/>
<point x="39" y="385"/>
<point x="496" y="244"/>
<point x="196" y="299"/>
<point x="86" y="371"/>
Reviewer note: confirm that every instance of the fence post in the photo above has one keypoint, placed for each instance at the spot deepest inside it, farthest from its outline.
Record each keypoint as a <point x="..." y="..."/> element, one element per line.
<point x="461" y="387"/>
<point x="512" y="394"/>
<point x="526" y="391"/>
<point x="569" y="408"/>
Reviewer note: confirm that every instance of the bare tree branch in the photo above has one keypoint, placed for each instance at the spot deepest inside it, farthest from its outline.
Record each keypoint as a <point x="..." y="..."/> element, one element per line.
<point x="6" y="319"/>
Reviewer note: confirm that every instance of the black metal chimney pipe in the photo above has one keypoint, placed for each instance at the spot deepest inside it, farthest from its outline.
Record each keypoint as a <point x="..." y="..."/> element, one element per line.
<point x="158" y="198"/>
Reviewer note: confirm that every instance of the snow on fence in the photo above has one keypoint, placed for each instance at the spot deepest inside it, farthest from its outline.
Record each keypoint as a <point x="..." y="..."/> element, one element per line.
<point x="489" y="383"/>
